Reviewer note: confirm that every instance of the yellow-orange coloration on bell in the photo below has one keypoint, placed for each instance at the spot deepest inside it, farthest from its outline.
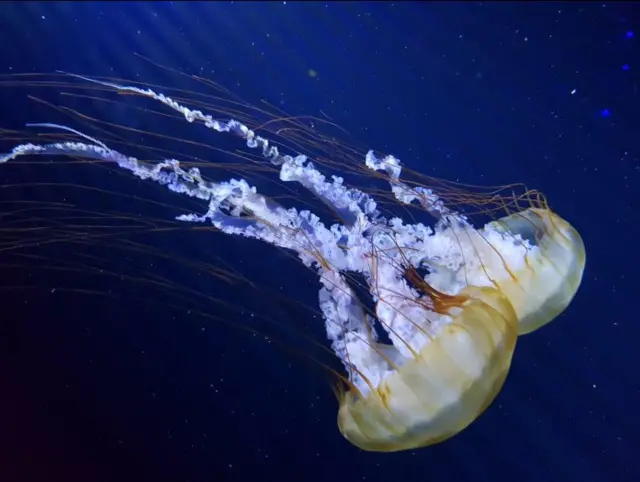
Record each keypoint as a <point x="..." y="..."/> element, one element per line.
<point x="457" y="374"/>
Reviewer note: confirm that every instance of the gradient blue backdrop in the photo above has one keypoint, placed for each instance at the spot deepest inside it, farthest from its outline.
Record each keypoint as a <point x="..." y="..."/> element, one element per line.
<point x="106" y="389"/>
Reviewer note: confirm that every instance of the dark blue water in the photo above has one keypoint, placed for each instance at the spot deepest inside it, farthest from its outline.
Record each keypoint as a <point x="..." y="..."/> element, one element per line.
<point x="114" y="384"/>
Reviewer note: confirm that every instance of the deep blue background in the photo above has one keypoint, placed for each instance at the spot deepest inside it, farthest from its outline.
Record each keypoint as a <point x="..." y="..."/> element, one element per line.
<point x="116" y="387"/>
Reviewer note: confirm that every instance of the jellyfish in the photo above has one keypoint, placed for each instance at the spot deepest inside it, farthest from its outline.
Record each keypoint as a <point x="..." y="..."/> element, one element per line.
<point x="451" y="297"/>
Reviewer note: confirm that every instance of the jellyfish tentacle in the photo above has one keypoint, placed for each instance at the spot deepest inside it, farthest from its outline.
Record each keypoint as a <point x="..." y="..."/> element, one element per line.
<point x="68" y="129"/>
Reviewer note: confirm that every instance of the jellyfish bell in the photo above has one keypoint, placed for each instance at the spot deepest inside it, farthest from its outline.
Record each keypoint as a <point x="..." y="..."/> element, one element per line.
<point x="439" y="391"/>
<point x="534" y="257"/>
<point x="544" y="286"/>
<point x="452" y="331"/>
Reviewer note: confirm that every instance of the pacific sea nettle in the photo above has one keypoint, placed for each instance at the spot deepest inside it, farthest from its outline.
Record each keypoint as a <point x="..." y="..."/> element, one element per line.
<point x="451" y="297"/>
